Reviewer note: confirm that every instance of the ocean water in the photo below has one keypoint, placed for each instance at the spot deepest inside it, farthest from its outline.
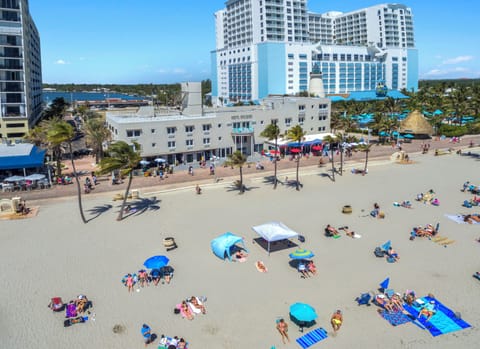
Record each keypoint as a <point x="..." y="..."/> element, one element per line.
<point x="70" y="97"/>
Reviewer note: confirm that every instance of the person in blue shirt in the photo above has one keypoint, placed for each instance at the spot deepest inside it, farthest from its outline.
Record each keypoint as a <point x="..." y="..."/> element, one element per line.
<point x="146" y="333"/>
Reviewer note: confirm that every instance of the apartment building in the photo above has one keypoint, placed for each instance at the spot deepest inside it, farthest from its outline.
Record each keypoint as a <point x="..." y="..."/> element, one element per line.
<point x="270" y="46"/>
<point x="20" y="70"/>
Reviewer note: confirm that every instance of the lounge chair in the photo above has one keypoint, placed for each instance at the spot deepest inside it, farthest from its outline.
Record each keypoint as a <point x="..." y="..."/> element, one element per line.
<point x="169" y="243"/>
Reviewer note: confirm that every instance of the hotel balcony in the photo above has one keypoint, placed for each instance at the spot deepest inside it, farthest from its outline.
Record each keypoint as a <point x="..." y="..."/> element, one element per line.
<point x="238" y="131"/>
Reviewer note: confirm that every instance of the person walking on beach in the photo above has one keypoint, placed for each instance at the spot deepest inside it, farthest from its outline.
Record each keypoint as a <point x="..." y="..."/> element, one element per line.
<point x="146" y="333"/>
<point x="282" y="328"/>
<point x="336" y="320"/>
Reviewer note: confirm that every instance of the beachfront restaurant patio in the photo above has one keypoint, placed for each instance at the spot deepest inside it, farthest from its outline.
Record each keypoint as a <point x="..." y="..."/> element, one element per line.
<point x="22" y="167"/>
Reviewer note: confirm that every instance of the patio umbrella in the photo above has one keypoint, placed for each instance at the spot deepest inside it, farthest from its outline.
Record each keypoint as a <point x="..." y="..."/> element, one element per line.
<point x="408" y="135"/>
<point x="303" y="312"/>
<point x="160" y="160"/>
<point x="144" y="162"/>
<point x="316" y="148"/>
<point x="35" y="177"/>
<point x="156" y="262"/>
<point x="301" y="254"/>
<point x="295" y="150"/>
<point x="273" y="151"/>
<point x="14" y="179"/>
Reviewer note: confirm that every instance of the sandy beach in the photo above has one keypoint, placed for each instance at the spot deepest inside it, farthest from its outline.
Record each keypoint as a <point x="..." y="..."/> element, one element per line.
<point x="54" y="254"/>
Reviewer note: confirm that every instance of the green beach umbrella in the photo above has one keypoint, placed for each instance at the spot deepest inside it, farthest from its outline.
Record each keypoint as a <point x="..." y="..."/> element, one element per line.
<point x="301" y="254"/>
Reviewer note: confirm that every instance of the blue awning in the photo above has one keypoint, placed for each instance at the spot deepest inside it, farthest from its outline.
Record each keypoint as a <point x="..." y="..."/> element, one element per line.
<point x="34" y="159"/>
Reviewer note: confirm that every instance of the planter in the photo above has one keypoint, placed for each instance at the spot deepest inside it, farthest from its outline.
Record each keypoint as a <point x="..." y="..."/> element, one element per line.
<point x="347" y="209"/>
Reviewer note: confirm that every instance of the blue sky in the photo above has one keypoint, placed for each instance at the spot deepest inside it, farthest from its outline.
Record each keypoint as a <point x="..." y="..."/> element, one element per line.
<point x="168" y="41"/>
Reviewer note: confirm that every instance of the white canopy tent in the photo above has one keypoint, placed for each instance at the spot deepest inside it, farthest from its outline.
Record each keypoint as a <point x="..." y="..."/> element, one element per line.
<point x="274" y="231"/>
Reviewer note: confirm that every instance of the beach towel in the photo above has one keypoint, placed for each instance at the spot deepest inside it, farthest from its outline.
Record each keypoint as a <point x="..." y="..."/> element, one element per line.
<point x="458" y="218"/>
<point x="395" y="318"/>
<point x="71" y="310"/>
<point x="443" y="321"/>
<point x="312" y="337"/>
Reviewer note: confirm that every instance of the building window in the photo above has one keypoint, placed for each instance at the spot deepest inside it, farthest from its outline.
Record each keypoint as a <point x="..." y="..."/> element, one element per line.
<point x="189" y="129"/>
<point x="301" y="120"/>
<point x="219" y="125"/>
<point x="301" y="107"/>
<point x="206" y="141"/>
<point x="189" y="142"/>
<point x="154" y="145"/>
<point x="206" y="127"/>
<point x="133" y="133"/>
<point x="153" y="130"/>
<point x="171" y="144"/>
<point x="288" y="121"/>
<point x="171" y="130"/>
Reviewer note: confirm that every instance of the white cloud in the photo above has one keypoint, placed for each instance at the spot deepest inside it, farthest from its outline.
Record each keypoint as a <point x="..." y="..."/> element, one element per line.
<point x="454" y="72"/>
<point x="162" y="71"/>
<point x="435" y="72"/>
<point x="179" y="71"/>
<point x="458" y="59"/>
<point x="60" y="61"/>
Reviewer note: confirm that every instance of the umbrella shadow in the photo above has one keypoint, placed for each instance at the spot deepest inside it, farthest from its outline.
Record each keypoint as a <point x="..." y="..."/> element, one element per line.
<point x="295" y="262"/>
<point x="98" y="210"/>
<point x="274" y="245"/>
<point x="302" y="324"/>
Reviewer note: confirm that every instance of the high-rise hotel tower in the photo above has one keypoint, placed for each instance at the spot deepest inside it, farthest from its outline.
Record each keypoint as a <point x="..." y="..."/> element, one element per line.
<point x="266" y="47"/>
<point x="20" y="70"/>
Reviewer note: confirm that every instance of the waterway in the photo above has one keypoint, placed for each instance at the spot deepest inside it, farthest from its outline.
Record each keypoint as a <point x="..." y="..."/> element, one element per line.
<point x="70" y="97"/>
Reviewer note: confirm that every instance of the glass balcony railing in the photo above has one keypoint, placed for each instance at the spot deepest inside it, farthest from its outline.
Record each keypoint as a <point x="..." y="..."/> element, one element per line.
<point x="242" y="130"/>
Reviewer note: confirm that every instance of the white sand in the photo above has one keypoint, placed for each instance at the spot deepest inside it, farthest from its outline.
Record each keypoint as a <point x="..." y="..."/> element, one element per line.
<point x="54" y="254"/>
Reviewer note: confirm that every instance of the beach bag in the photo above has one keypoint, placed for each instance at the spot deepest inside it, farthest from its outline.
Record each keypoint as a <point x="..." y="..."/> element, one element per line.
<point x="379" y="252"/>
<point x="176" y="311"/>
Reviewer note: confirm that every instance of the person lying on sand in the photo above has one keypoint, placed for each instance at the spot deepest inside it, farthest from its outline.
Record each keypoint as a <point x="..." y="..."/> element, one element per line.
<point x="197" y="305"/>
<point x="470" y="218"/>
<point x="331" y="231"/>
<point x="350" y="233"/>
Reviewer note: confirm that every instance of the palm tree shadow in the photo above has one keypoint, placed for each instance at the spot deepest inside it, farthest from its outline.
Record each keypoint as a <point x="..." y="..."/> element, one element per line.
<point x="292" y="184"/>
<point x="328" y="175"/>
<point x="141" y="206"/>
<point x="98" y="210"/>
<point x="236" y="187"/>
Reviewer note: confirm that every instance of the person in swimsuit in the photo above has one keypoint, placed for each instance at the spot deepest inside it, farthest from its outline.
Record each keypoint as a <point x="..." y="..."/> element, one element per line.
<point x="282" y="328"/>
<point x="143" y="277"/>
<point x="129" y="282"/>
<point x="187" y="312"/>
<point x="312" y="268"/>
<point x="336" y="320"/>
<point x="196" y="304"/>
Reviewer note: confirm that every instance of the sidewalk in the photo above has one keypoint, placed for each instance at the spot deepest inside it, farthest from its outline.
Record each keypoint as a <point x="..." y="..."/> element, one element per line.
<point x="224" y="175"/>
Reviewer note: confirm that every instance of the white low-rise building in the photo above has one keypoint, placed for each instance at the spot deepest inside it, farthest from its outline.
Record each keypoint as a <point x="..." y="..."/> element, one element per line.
<point x="197" y="133"/>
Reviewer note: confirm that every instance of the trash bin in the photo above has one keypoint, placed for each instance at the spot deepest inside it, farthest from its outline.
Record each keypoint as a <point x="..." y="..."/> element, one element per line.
<point x="135" y="194"/>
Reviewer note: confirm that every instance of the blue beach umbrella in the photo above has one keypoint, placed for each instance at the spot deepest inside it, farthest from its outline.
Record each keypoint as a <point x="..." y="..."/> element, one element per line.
<point x="386" y="245"/>
<point x="384" y="284"/>
<point x="301" y="254"/>
<point x="303" y="312"/>
<point x="156" y="262"/>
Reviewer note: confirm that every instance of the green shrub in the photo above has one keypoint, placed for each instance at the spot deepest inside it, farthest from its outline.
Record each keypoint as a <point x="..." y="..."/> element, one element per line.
<point x="452" y="130"/>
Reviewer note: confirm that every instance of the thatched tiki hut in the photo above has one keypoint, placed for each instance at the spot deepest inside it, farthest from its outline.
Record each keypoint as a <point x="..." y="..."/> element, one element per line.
<point x="417" y="125"/>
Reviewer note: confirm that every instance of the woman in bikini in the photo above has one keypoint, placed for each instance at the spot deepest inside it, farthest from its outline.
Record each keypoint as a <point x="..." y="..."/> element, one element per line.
<point x="129" y="282"/>
<point x="186" y="311"/>
<point x="282" y="328"/>
<point x="196" y="304"/>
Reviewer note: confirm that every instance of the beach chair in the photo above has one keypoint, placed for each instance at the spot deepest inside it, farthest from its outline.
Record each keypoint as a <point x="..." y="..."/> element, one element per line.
<point x="467" y="204"/>
<point x="364" y="299"/>
<point x="170" y="243"/>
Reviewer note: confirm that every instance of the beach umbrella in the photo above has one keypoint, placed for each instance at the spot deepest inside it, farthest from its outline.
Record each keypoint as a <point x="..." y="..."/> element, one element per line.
<point x="384" y="284"/>
<point x="301" y="254"/>
<point x="408" y="135"/>
<point x="295" y="150"/>
<point x="316" y="148"/>
<point x="144" y="162"/>
<point x="160" y="160"/>
<point x="303" y="312"/>
<point x="14" y="179"/>
<point x="273" y="151"/>
<point x="156" y="262"/>
<point x="35" y="177"/>
<point x="386" y="245"/>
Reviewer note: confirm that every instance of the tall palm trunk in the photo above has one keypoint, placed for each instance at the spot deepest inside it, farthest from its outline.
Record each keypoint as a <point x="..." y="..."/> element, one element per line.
<point x="125" y="197"/>
<point x="275" y="180"/>
<point x="366" y="162"/>
<point x="341" y="160"/>
<point x="333" y="165"/>
<point x="242" y="190"/>
<point x="79" y="190"/>
<point x="297" y="182"/>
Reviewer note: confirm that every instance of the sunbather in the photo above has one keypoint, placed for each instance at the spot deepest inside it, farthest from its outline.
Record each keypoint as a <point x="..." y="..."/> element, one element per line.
<point x="348" y="232"/>
<point x="143" y="277"/>
<point x="197" y="305"/>
<point x="406" y="204"/>
<point x="393" y="254"/>
<point x="186" y="311"/>
<point x="282" y="328"/>
<point x="382" y="301"/>
<point x="428" y="311"/>
<point x="331" y="231"/>
<point x="397" y="302"/>
<point x="312" y="268"/>
<point x="470" y="218"/>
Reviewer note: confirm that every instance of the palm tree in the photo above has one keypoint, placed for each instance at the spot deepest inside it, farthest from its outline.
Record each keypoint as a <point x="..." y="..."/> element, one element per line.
<point x="296" y="134"/>
<point x="330" y="140"/>
<point x="96" y="134"/>
<point x="271" y="132"/>
<point x="365" y="148"/>
<point x="340" y="138"/>
<point x="62" y="132"/>
<point x="123" y="157"/>
<point x="237" y="159"/>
